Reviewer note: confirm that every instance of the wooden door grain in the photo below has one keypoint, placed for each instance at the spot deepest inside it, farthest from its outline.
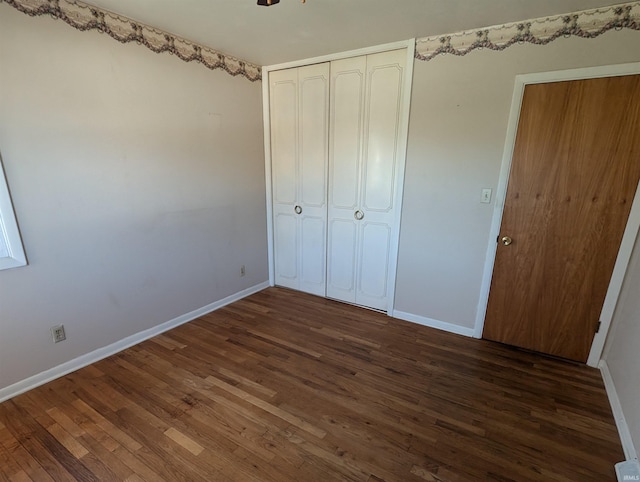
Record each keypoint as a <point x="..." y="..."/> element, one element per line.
<point x="574" y="174"/>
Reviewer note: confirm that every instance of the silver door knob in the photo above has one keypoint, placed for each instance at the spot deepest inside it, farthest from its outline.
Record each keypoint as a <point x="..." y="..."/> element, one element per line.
<point x="298" y="209"/>
<point x="358" y="215"/>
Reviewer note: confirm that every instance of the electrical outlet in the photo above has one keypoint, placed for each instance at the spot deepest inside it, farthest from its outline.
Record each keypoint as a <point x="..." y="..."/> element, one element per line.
<point x="58" y="333"/>
<point x="242" y="270"/>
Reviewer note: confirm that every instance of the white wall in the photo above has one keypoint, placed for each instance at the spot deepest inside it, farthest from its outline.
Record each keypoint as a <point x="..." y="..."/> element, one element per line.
<point x="622" y="352"/>
<point x="459" y="113"/>
<point x="138" y="184"/>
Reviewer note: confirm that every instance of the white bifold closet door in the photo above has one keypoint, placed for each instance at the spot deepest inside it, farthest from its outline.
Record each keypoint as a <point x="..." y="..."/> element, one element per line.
<point x="299" y="117"/>
<point x="366" y="100"/>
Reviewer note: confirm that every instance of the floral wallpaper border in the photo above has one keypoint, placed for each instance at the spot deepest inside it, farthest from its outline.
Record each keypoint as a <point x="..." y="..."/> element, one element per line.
<point x="82" y="16"/>
<point x="539" y="31"/>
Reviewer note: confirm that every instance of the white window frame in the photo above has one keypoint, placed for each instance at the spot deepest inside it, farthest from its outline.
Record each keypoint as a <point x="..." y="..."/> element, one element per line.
<point x="9" y="231"/>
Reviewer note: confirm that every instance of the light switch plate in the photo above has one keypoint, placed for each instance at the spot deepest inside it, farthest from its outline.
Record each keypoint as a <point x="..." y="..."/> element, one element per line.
<point x="486" y="196"/>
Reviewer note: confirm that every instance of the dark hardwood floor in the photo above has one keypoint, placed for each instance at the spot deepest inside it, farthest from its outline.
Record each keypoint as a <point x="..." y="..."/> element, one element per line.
<point x="284" y="386"/>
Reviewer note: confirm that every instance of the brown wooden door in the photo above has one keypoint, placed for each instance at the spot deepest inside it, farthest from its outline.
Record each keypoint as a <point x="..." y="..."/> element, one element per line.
<point x="574" y="173"/>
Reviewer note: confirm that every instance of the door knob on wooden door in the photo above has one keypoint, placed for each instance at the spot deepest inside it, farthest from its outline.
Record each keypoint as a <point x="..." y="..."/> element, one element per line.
<point x="358" y="215"/>
<point x="506" y="240"/>
<point x="298" y="210"/>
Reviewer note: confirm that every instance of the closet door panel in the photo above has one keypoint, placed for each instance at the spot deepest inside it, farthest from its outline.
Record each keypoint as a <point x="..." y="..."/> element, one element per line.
<point x="345" y="155"/>
<point x="347" y="110"/>
<point x="383" y="117"/>
<point x="313" y="243"/>
<point x="283" y="88"/>
<point x="384" y="72"/>
<point x="286" y="249"/>
<point x="313" y="99"/>
<point x="335" y="166"/>
<point x="314" y="118"/>
<point x="373" y="265"/>
<point x="299" y="115"/>
<point x="341" y="276"/>
<point x="284" y="128"/>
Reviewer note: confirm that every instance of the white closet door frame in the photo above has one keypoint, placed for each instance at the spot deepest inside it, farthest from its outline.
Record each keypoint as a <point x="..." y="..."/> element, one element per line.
<point x="409" y="45"/>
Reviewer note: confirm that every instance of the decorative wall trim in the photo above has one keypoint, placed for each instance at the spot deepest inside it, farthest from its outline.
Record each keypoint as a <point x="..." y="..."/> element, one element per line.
<point x="539" y="31"/>
<point x="82" y="16"/>
<point x="104" y="352"/>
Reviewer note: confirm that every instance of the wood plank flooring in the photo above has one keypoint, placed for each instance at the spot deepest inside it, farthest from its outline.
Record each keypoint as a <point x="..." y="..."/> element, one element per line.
<point x="284" y="386"/>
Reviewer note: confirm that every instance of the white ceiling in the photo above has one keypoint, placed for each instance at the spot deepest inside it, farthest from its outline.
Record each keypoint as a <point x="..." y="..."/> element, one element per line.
<point x="291" y="30"/>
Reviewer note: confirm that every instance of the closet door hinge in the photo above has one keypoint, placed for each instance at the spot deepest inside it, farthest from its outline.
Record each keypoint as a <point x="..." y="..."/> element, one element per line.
<point x="598" y="326"/>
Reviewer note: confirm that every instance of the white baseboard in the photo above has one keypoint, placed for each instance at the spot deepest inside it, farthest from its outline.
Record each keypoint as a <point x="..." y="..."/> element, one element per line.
<point x="623" y="429"/>
<point x="440" y="325"/>
<point x="104" y="352"/>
